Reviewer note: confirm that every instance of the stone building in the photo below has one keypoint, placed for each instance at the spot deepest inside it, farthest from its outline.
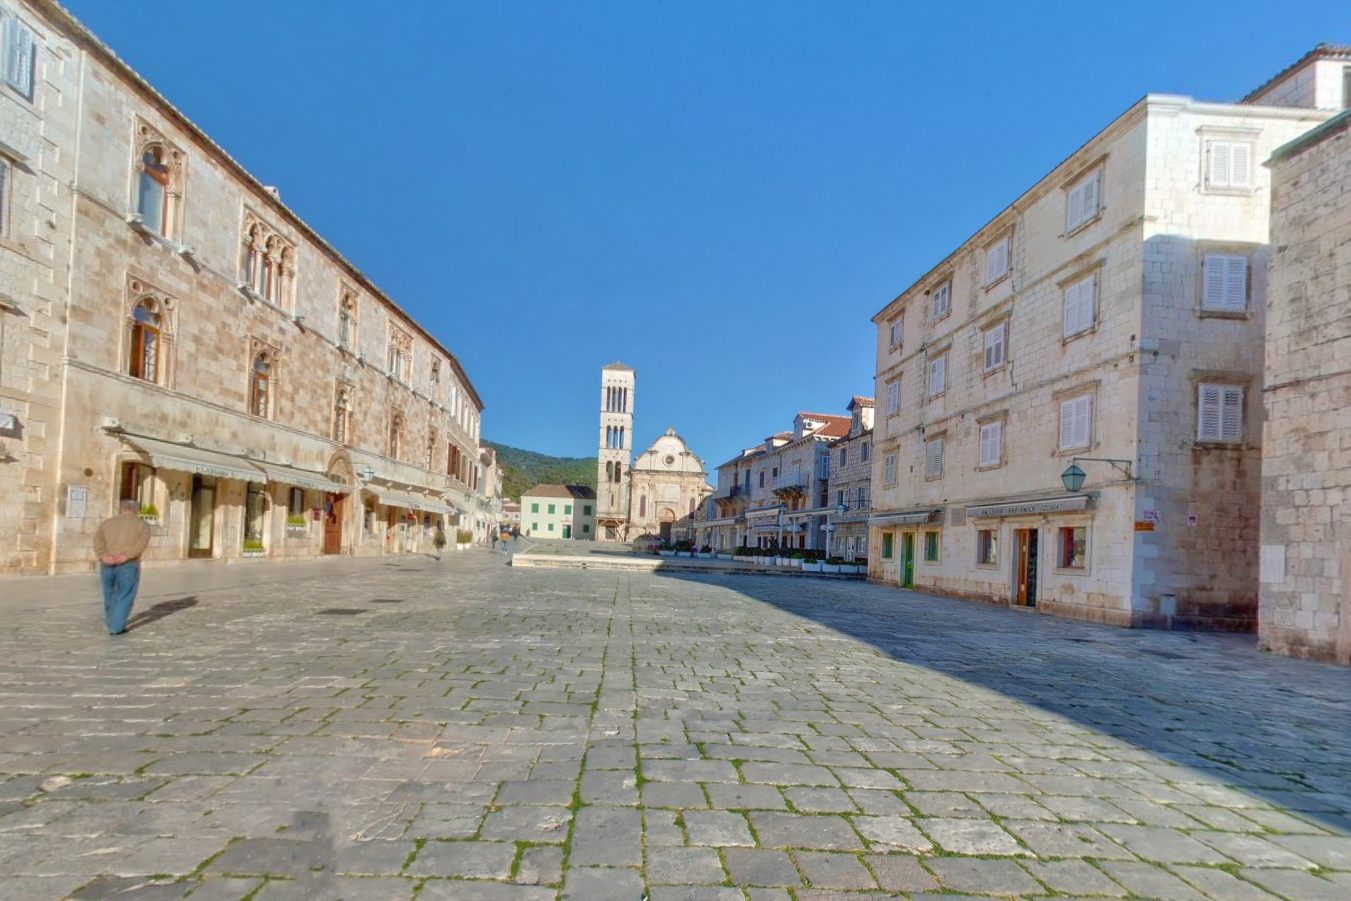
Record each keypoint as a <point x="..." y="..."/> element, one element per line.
<point x="1109" y="324"/>
<point x="172" y="332"/>
<point x="1305" y="604"/>
<point x="667" y="483"/>
<point x="723" y="523"/>
<point x="559" y="512"/>
<point x="850" y="480"/>
<point x="616" y="451"/>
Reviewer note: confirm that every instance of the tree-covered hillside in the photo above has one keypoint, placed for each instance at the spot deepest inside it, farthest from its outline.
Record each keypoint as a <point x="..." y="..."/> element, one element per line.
<point x="523" y="469"/>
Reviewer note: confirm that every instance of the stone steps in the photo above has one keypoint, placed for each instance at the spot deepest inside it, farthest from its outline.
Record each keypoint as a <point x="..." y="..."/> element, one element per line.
<point x="668" y="564"/>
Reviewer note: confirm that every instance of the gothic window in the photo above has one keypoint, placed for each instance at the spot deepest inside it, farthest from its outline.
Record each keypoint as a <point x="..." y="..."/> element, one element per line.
<point x="400" y="355"/>
<point x="253" y="258"/>
<point x="146" y="341"/>
<point x="431" y="449"/>
<point x="642" y="506"/>
<point x="619" y="468"/>
<point x="260" y="384"/>
<point x="153" y="198"/>
<point x="347" y="321"/>
<point x="269" y="262"/>
<point x="342" y="409"/>
<point x="609" y="471"/>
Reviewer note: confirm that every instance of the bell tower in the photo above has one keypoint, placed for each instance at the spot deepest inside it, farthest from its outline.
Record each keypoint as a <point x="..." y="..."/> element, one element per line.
<point x="616" y="451"/>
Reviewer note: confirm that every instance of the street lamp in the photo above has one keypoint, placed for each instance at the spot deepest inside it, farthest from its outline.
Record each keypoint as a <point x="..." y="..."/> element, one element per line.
<point x="367" y="473"/>
<point x="1073" y="477"/>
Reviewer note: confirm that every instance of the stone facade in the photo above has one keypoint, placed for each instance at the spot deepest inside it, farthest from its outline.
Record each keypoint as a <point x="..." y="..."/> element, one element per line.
<point x="173" y="332"/>
<point x="561" y="512"/>
<point x="1114" y="312"/>
<point x="851" y="471"/>
<point x="668" y="482"/>
<point x="617" y="383"/>
<point x="1305" y="606"/>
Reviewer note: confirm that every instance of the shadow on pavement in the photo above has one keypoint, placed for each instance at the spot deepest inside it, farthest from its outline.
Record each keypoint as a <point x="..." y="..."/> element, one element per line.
<point x="160" y="611"/>
<point x="1272" y="727"/>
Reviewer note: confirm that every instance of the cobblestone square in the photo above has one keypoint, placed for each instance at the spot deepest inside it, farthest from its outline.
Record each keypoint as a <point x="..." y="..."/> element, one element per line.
<point x="483" y="732"/>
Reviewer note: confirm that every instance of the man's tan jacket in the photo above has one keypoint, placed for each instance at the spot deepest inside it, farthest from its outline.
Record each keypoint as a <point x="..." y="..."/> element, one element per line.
<point x="124" y="535"/>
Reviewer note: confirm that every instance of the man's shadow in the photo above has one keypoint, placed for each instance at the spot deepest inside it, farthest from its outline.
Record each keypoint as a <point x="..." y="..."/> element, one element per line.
<point x="160" y="611"/>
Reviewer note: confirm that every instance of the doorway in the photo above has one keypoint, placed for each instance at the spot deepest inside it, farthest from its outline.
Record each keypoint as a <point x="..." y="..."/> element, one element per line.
<point x="908" y="560"/>
<point x="567" y="531"/>
<point x="1025" y="568"/>
<point x="333" y="524"/>
<point x="202" y="517"/>
<point x="664" y="529"/>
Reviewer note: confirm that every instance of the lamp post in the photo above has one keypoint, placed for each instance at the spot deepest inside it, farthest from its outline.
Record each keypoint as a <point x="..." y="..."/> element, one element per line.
<point x="1073" y="477"/>
<point x="367" y="473"/>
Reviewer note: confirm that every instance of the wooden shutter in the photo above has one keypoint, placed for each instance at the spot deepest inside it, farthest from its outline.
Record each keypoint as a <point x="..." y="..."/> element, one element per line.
<point x="933" y="457"/>
<point x="938" y="375"/>
<point x="894" y="397"/>
<point x="889" y="469"/>
<point x="18" y="48"/>
<point x="994" y="347"/>
<point x="942" y="300"/>
<point x="1224" y="283"/>
<point x="1231" y="413"/>
<point x="1208" y="413"/>
<point x="896" y="333"/>
<point x="991" y="443"/>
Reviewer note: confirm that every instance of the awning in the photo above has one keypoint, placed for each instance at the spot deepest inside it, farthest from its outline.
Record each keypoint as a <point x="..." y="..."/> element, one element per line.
<point x="725" y="521"/>
<point x="764" y="511"/>
<point x="765" y="527"/>
<point x="301" y="478"/>
<point x="814" y="511"/>
<point x="392" y="498"/>
<point x="1060" y="504"/>
<point x="907" y="518"/>
<point x="185" y="458"/>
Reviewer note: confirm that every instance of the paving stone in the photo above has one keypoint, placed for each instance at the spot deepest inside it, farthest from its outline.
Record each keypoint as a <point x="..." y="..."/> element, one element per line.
<point x="457" y="890"/>
<point x="607" y="836"/>
<point x="1148" y="881"/>
<point x="673" y="794"/>
<point x="609" y="787"/>
<point x="541" y="866"/>
<point x="696" y="893"/>
<point x="1073" y="877"/>
<point x="1066" y="840"/>
<point x="761" y="867"/>
<point x="1331" y="851"/>
<point x="786" y="830"/>
<point x="524" y="823"/>
<point x="875" y="802"/>
<point x="592" y="884"/>
<point x="1296" y="884"/>
<point x="740" y="796"/>
<point x="1253" y="851"/>
<point x="787" y="774"/>
<point x="820" y="800"/>
<point x="464" y="860"/>
<point x="269" y="857"/>
<point x="945" y="804"/>
<point x="982" y="877"/>
<point x="683" y="866"/>
<point x="900" y="873"/>
<point x="718" y="828"/>
<point x="1221" y="886"/>
<point x="977" y="837"/>
<point x="373" y="858"/>
<point x="839" y="871"/>
<point x="1162" y="845"/>
<point x="894" y="832"/>
<point x="543" y="792"/>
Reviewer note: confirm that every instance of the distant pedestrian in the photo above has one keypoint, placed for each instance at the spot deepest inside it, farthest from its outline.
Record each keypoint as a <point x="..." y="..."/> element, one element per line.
<point x="119" y="543"/>
<point x="439" y="541"/>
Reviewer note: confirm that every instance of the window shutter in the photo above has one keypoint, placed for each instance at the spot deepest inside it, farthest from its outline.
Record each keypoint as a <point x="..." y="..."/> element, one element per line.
<point x="894" y="397"/>
<point x="991" y="443"/>
<point x="18" y="40"/>
<point x="896" y="333"/>
<point x="1089" y="205"/>
<point x="1240" y="165"/>
<point x="933" y="462"/>
<point x="1231" y="418"/>
<point x="1220" y="164"/>
<point x="1208" y="413"/>
<point x="942" y="299"/>
<point x="1072" y="308"/>
<point x="997" y="261"/>
<point x="994" y="347"/>
<point x="1088" y="294"/>
<point x="1236" y="284"/>
<point x="938" y="375"/>
<point x="1082" y="414"/>
<point x="1073" y="204"/>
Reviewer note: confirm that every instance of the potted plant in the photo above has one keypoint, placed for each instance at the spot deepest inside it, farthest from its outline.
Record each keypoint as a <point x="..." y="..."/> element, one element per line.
<point x="666" y="550"/>
<point x="796" y="559"/>
<point x="463" y="539"/>
<point x="832" y="565"/>
<point x="150" y="513"/>
<point x="253" y="547"/>
<point x="296" y="522"/>
<point x="705" y="553"/>
<point x="811" y="564"/>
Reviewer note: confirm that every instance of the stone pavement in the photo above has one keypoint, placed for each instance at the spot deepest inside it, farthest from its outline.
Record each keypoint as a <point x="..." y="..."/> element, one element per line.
<point x="388" y="729"/>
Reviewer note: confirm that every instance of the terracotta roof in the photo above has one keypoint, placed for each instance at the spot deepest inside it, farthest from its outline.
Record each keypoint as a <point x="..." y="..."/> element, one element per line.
<point x="1322" y="51"/>
<point x="578" y="492"/>
<point x="837" y="428"/>
<point x="859" y="401"/>
<point x="619" y="366"/>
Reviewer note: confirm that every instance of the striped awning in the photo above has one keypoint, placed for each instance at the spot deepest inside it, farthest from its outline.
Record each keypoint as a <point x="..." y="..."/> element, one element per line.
<point x="186" y="458"/>
<point x="906" y="518"/>
<point x="301" y="478"/>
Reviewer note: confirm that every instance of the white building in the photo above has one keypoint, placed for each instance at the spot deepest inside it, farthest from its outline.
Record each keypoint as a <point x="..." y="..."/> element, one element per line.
<point x="1110" y="322"/>
<point x="559" y="512"/>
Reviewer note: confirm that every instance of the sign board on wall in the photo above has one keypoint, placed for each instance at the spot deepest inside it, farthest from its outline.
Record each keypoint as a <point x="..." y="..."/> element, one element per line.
<point x="77" y="501"/>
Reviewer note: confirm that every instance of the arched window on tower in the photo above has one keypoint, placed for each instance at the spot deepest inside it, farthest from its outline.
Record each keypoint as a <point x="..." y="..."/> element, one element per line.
<point x="691" y="506"/>
<point x="619" y="467"/>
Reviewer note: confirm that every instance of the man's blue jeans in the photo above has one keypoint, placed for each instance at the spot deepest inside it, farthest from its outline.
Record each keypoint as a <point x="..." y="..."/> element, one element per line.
<point x="119" y="593"/>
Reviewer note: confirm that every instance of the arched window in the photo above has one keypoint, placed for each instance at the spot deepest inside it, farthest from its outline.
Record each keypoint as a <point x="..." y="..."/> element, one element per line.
<point x="619" y="468"/>
<point x="271" y="270"/>
<point x="347" y="317"/>
<point x="253" y="259"/>
<point x="286" y="269"/>
<point x="642" y="506"/>
<point x="145" y="342"/>
<point x="691" y="506"/>
<point x="341" y="411"/>
<point x="260" y="385"/>
<point x="152" y="199"/>
<point x="395" y="435"/>
<point x="609" y="470"/>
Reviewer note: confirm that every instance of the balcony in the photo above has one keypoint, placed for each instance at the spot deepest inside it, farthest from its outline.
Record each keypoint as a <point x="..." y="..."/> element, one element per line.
<point x="791" y="484"/>
<point x="726" y="494"/>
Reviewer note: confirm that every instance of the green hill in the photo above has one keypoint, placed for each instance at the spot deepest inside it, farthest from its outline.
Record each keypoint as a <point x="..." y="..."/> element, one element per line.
<point x="523" y="469"/>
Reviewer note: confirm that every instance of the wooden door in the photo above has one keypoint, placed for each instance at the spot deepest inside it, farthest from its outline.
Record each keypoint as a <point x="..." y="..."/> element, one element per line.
<point x="202" y="517"/>
<point x="908" y="560"/>
<point x="1025" y="568"/>
<point x="333" y="523"/>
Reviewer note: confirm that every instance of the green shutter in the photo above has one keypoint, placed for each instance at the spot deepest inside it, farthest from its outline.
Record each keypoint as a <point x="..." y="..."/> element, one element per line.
<point x="534" y="508"/>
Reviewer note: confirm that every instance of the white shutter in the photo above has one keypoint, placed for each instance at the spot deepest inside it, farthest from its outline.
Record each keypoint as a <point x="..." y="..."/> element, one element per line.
<point x="933" y="457"/>
<point x="942" y="300"/>
<point x="1236" y="284"/>
<point x="997" y="261"/>
<point x="896" y="333"/>
<point x="1224" y="283"/>
<point x="991" y="443"/>
<point x="1208" y="413"/>
<point x="1082" y="203"/>
<point x="18" y="47"/>
<point x="1083" y="414"/>
<point x="994" y="347"/>
<point x="1220" y="168"/>
<point x="1067" y="425"/>
<point x="1240" y="163"/>
<point x="889" y="469"/>
<point x="1090" y="201"/>
<point x="1079" y="301"/>
<point x="1231" y="418"/>
<point x="938" y="376"/>
<point x="1219" y="415"/>
<point x="894" y="397"/>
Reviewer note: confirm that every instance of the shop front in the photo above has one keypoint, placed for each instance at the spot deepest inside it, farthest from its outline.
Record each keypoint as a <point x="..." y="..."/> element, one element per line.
<point x="894" y="539"/>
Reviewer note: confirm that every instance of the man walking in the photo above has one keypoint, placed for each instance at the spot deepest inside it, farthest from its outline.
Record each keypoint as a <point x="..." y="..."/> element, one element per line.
<point x="119" y="543"/>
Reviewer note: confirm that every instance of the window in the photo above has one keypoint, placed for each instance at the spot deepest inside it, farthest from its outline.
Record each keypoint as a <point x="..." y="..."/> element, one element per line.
<point x="775" y="473"/>
<point x="933" y="458"/>
<point x="1224" y="283"/>
<point x="1073" y="547"/>
<point x="1229" y="165"/>
<point x="941" y="300"/>
<point x="430" y="455"/>
<point x="4" y="197"/>
<point x="295" y="501"/>
<point x="534" y="508"/>
<point x="260" y="384"/>
<point x="987" y="547"/>
<point x="762" y="478"/>
<point x="992" y="443"/>
<point x="642" y="503"/>
<point x="1080" y="300"/>
<point x="586" y="511"/>
<point x="586" y="528"/>
<point x="395" y="435"/>
<point x="938" y="375"/>
<point x="888" y="546"/>
<point x="863" y="452"/>
<point x="19" y="55"/>
<point x="839" y="498"/>
<point x="342" y="411"/>
<point x="896" y="331"/>
<point x="844" y="457"/>
<point x="137" y="484"/>
<point x="269" y="262"/>
<point x="1076" y="417"/>
<point x="567" y="509"/>
<point x="1219" y="413"/>
<point x="994" y="346"/>
<point x="534" y="526"/>
<point x="930" y="547"/>
<point x="889" y="469"/>
<point x="347" y="321"/>
<point x="997" y="261"/>
<point x="400" y="355"/>
<point x="551" y="527"/>
<point x="1081" y="205"/>
<point x="145" y="341"/>
<point x="436" y="373"/>
<point x="553" y="508"/>
<point x="152" y="198"/>
<point x="893" y="398"/>
<point x="255" y="509"/>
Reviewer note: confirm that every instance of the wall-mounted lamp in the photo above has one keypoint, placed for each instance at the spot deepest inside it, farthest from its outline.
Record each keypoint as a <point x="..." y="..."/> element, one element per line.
<point x="1073" y="477"/>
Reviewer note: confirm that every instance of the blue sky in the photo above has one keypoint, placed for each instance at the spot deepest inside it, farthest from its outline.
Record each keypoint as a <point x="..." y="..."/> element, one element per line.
<point x="719" y="194"/>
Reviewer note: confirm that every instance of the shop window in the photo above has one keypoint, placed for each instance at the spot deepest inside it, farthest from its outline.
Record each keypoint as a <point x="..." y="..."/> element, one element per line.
<point x="987" y="547"/>
<point x="930" y="547"/>
<point x="888" y="546"/>
<point x="136" y="482"/>
<point x="1073" y="553"/>
<point x="295" y="502"/>
<point x="255" y="511"/>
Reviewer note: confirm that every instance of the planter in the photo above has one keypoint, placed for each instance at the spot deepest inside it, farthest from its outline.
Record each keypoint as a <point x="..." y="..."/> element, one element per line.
<point x="829" y="568"/>
<point x="725" y="557"/>
<point x="741" y="558"/>
<point x="795" y="562"/>
<point x="248" y="554"/>
<point x="810" y="567"/>
<point x="683" y="554"/>
<point x="666" y="553"/>
<point x="704" y="556"/>
<point x="849" y="570"/>
<point x="462" y="547"/>
<point x="783" y="561"/>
